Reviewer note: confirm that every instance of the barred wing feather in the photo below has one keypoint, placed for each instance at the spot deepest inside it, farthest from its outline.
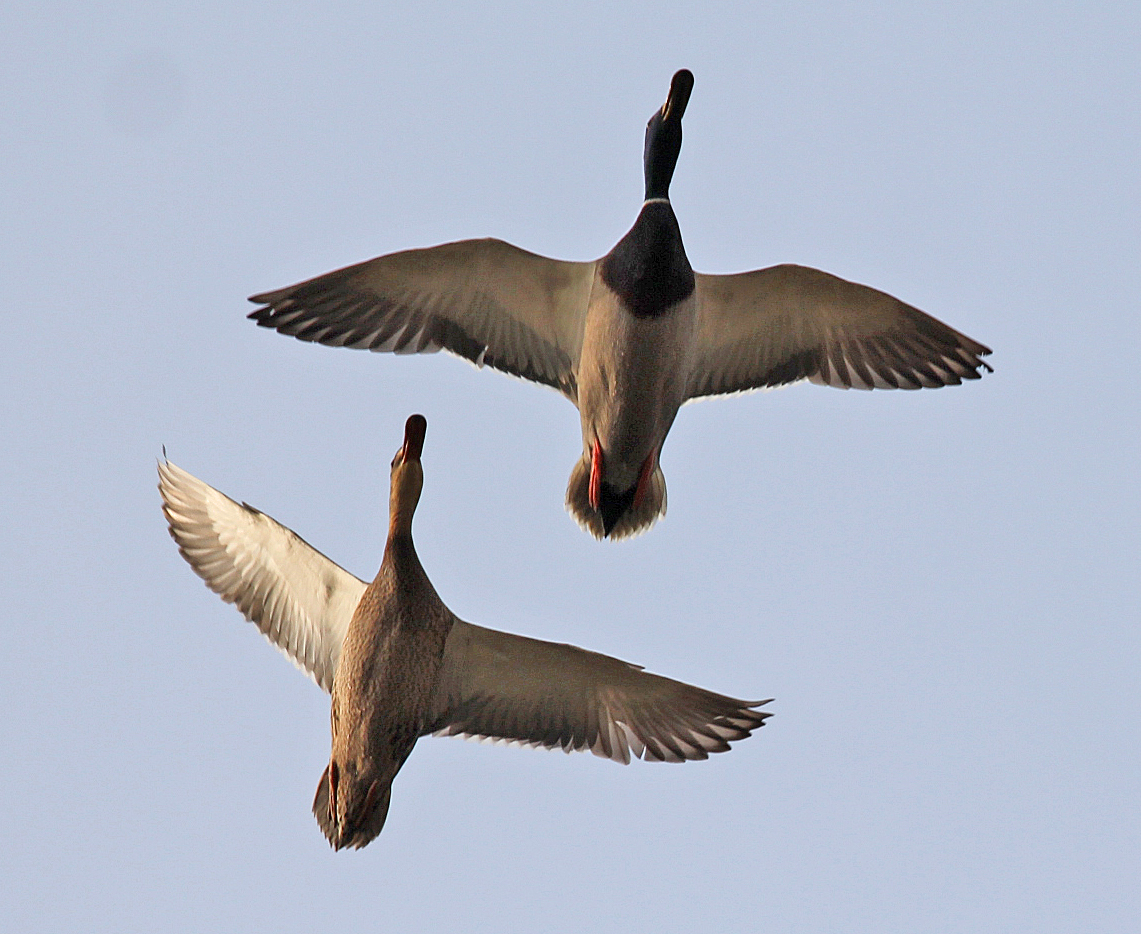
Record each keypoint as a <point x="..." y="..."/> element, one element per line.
<point x="484" y="300"/>
<point x="787" y="323"/>
<point x="498" y="686"/>
<point x="297" y="597"/>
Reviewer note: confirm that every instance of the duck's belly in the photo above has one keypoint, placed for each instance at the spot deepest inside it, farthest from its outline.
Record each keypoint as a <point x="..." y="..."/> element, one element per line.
<point x="384" y="683"/>
<point x="632" y="379"/>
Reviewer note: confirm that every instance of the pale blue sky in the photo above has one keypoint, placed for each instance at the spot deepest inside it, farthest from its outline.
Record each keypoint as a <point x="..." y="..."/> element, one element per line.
<point x="939" y="588"/>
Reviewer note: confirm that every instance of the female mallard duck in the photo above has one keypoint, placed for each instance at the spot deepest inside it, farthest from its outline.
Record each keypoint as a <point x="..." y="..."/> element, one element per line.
<point x="399" y="664"/>
<point x="630" y="337"/>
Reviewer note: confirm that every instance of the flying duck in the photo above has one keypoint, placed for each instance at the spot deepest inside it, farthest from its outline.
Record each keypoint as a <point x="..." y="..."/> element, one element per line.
<point x="400" y="665"/>
<point x="630" y="337"/>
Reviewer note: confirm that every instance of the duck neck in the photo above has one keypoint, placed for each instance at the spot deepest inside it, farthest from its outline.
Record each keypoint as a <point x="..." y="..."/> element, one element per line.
<point x="404" y="495"/>
<point x="659" y="159"/>
<point x="648" y="269"/>
<point x="399" y="551"/>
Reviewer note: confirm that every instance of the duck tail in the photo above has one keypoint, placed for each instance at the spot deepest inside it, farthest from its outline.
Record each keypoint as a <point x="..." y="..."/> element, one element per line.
<point x="321" y="809"/>
<point x="641" y="516"/>
<point x="578" y="498"/>
<point x="635" y="520"/>
<point x="376" y="813"/>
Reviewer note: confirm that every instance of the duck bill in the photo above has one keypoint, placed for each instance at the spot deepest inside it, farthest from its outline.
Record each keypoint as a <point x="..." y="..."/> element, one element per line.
<point x="414" y="430"/>
<point x="680" y="88"/>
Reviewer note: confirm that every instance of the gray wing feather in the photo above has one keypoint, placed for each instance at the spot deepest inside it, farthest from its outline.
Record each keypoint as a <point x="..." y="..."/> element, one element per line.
<point x="498" y="686"/>
<point x="787" y="323"/>
<point x="484" y="300"/>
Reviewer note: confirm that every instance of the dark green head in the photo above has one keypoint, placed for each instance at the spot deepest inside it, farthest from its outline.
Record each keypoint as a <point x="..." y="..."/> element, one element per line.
<point x="663" y="137"/>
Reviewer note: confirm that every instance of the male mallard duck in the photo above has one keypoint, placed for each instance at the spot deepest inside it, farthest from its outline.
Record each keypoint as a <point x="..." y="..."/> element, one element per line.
<point x="630" y="337"/>
<point x="399" y="664"/>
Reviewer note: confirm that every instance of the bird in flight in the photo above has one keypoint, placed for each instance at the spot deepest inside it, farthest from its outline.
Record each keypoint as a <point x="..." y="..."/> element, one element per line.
<point x="399" y="664"/>
<point x="630" y="337"/>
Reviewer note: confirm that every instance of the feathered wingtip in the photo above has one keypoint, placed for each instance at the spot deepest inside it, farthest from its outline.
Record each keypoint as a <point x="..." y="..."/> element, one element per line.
<point x="633" y="521"/>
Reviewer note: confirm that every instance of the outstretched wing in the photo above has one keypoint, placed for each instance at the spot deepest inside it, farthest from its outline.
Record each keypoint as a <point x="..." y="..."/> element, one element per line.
<point x="786" y="323"/>
<point x="496" y="685"/>
<point x="297" y="597"/>
<point x="485" y="300"/>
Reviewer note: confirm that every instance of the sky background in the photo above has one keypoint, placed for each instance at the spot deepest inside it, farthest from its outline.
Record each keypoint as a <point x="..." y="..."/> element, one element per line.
<point x="939" y="588"/>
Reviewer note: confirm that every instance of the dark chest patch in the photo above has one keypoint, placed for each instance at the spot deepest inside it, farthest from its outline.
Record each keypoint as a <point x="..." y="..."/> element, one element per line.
<point x="648" y="269"/>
